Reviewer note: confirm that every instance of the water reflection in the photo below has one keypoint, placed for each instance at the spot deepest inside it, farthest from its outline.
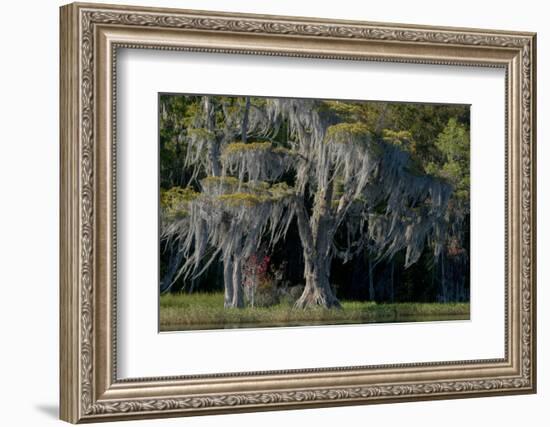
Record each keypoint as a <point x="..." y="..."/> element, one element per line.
<point x="386" y="319"/>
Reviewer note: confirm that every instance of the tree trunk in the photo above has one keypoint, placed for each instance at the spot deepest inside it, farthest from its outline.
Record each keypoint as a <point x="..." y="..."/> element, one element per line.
<point x="443" y="281"/>
<point x="317" y="291"/>
<point x="244" y="126"/>
<point x="317" y="259"/>
<point x="238" y="297"/>
<point x="232" y="272"/>
<point x="192" y="286"/>
<point x="227" y="282"/>
<point x="213" y="144"/>
<point x="214" y="158"/>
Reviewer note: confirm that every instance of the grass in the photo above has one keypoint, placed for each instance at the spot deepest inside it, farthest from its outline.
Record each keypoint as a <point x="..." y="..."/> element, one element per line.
<point x="206" y="311"/>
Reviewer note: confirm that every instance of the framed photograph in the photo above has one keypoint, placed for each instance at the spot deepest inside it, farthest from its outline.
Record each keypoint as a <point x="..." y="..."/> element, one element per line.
<point x="267" y="212"/>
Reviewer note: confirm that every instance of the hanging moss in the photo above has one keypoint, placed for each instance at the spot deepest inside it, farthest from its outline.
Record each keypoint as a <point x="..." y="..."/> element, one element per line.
<point x="239" y="199"/>
<point x="176" y="196"/>
<point x="241" y="146"/>
<point x="175" y="209"/>
<point x="256" y="194"/>
<point x="224" y="180"/>
<point x="218" y="185"/>
<point x="200" y="133"/>
<point x="258" y="161"/>
<point x="280" y="190"/>
<point x="237" y="147"/>
<point x="398" y="138"/>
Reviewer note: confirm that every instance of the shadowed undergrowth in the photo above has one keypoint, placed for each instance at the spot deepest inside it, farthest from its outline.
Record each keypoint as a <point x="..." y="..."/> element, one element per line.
<point x="206" y="311"/>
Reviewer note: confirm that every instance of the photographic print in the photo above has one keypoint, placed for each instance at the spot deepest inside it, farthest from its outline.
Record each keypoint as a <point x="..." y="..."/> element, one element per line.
<point x="298" y="212"/>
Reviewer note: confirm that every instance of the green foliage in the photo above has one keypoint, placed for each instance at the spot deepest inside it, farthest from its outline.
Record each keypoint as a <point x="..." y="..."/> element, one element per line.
<point x="424" y="122"/>
<point x="200" y="133"/>
<point x="221" y="180"/>
<point x="176" y="195"/>
<point x="280" y="190"/>
<point x="242" y="199"/>
<point x="400" y="138"/>
<point x="176" y="114"/>
<point x="454" y="145"/>
<point x="344" y="133"/>
<point x="368" y="113"/>
<point x="252" y="146"/>
<point x="257" y="193"/>
<point x="239" y="147"/>
<point x="174" y="202"/>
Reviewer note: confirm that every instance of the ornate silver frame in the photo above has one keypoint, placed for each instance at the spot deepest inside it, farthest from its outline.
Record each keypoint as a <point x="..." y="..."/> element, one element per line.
<point x="90" y="36"/>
